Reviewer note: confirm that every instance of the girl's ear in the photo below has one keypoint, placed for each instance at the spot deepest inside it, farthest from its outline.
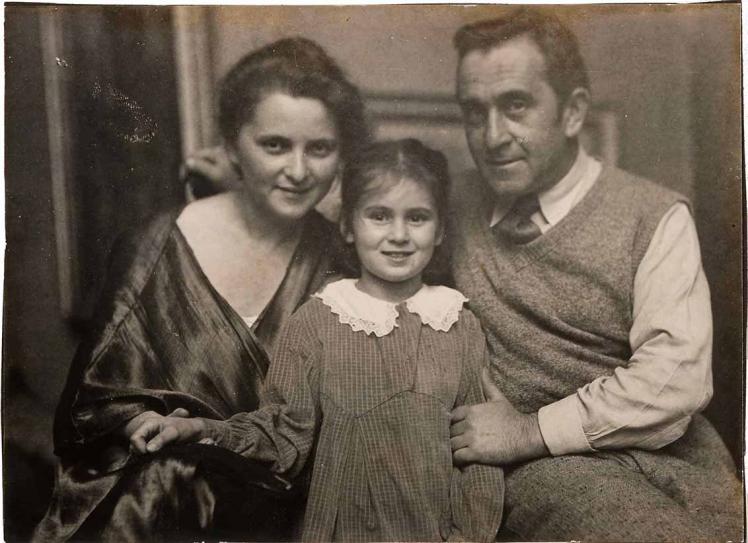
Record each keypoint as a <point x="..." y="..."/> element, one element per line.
<point x="439" y="235"/>
<point x="346" y="232"/>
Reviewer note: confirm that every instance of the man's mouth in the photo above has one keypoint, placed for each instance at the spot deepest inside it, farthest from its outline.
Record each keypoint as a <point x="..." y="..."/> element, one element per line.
<point x="295" y="190"/>
<point x="502" y="162"/>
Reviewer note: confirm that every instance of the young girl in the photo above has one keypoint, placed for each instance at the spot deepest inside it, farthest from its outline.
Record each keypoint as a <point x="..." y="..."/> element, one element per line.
<point x="367" y="373"/>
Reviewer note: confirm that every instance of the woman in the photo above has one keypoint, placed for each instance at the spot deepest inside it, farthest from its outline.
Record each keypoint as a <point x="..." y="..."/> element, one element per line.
<point x="192" y="305"/>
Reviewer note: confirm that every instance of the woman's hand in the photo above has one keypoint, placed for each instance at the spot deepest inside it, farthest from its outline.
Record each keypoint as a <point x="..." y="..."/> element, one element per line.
<point x="155" y="431"/>
<point x="214" y="165"/>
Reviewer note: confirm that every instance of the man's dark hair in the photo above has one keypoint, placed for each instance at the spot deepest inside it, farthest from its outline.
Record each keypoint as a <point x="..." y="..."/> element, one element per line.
<point x="564" y="64"/>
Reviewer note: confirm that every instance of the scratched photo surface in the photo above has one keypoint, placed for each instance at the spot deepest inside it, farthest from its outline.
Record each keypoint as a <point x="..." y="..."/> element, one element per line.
<point x="104" y="103"/>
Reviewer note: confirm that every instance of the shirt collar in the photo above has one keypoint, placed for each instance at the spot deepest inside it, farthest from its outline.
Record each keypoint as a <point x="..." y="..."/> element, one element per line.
<point x="438" y="307"/>
<point x="557" y="201"/>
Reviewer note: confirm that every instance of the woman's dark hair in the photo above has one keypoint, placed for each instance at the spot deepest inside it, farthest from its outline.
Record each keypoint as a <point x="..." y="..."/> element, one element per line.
<point x="564" y="65"/>
<point x="298" y="67"/>
<point x="388" y="162"/>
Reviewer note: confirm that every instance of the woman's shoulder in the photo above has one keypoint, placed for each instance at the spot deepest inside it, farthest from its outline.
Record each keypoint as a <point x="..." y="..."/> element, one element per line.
<point x="142" y="245"/>
<point x="213" y="210"/>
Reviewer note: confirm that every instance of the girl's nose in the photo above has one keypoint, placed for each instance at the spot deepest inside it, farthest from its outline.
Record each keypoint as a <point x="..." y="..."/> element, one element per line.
<point x="296" y="169"/>
<point x="399" y="231"/>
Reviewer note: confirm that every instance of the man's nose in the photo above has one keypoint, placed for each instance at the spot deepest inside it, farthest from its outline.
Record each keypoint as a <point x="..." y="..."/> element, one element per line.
<point x="497" y="132"/>
<point x="296" y="168"/>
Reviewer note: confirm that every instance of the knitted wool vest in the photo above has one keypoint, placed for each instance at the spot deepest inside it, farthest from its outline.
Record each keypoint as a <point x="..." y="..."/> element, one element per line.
<point x="557" y="311"/>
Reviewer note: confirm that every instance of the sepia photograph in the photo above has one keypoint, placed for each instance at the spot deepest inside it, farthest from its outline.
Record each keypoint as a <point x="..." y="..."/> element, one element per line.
<point x="423" y="272"/>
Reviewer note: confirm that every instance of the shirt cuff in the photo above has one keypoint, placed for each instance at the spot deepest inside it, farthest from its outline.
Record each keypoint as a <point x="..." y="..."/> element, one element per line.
<point x="561" y="427"/>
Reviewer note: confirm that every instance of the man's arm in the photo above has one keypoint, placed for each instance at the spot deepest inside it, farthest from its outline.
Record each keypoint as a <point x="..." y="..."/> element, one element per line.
<point x="647" y="404"/>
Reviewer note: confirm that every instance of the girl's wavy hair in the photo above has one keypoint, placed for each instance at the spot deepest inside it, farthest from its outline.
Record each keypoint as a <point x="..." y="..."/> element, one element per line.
<point x="385" y="164"/>
<point x="298" y="67"/>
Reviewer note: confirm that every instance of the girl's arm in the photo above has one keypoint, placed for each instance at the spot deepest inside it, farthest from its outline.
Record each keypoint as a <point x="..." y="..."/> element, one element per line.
<point x="477" y="490"/>
<point x="282" y="431"/>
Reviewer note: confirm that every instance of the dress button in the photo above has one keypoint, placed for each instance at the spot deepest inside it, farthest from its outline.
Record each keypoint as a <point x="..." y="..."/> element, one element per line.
<point x="371" y="525"/>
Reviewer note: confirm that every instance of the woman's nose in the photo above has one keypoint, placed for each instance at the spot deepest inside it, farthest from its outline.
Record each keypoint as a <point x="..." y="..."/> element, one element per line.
<point x="296" y="168"/>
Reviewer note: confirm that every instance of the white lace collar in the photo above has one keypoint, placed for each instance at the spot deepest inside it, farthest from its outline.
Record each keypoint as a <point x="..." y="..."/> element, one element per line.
<point x="438" y="306"/>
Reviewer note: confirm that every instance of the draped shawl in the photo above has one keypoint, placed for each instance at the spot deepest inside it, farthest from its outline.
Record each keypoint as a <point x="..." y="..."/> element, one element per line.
<point x="163" y="338"/>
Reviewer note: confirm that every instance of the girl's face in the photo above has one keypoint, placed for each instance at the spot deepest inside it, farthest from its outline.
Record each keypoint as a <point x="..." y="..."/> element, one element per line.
<point x="395" y="228"/>
<point x="288" y="154"/>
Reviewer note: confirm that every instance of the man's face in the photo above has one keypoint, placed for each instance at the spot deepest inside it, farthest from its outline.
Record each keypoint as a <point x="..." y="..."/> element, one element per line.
<point x="515" y="129"/>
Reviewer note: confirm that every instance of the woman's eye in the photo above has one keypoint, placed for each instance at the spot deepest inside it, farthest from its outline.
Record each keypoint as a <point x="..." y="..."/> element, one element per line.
<point x="321" y="149"/>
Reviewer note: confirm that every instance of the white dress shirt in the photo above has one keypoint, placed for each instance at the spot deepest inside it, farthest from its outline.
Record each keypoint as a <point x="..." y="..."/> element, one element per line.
<point x="648" y="403"/>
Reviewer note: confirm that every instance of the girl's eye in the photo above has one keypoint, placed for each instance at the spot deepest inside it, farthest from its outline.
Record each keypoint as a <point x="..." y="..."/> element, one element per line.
<point x="378" y="215"/>
<point x="419" y="218"/>
<point x="321" y="149"/>
<point x="274" y="146"/>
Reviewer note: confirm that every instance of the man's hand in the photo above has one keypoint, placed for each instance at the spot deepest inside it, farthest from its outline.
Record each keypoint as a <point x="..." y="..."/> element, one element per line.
<point x="214" y="164"/>
<point x="494" y="432"/>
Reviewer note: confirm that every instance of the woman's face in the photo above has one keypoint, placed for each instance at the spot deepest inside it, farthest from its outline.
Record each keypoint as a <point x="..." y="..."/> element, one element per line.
<point x="288" y="154"/>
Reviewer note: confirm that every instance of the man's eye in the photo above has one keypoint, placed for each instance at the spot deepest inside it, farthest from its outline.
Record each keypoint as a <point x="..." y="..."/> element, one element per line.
<point x="321" y="149"/>
<point x="473" y="115"/>
<point x="516" y="107"/>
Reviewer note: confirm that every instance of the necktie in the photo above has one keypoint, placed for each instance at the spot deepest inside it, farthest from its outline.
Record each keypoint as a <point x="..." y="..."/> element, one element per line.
<point x="516" y="225"/>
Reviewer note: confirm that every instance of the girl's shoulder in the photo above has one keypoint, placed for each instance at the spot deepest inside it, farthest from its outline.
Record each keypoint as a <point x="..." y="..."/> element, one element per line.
<point x="313" y="313"/>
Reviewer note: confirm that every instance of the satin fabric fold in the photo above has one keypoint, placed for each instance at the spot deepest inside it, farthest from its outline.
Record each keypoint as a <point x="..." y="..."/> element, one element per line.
<point x="163" y="338"/>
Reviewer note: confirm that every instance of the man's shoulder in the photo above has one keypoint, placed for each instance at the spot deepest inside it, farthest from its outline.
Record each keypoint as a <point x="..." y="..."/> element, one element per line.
<point x="636" y="188"/>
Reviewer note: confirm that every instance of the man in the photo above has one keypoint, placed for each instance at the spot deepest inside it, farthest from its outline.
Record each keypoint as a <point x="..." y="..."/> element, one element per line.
<point x="589" y="285"/>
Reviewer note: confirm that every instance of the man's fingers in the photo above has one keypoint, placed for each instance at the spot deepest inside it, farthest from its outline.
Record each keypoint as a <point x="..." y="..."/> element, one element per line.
<point x="490" y="390"/>
<point x="205" y="168"/>
<point x="463" y="456"/>
<point x="459" y="442"/>
<point x="211" y="154"/>
<point x="458" y="428"/>
<point x="180" y="412"/>
<point x="459" y="413"/>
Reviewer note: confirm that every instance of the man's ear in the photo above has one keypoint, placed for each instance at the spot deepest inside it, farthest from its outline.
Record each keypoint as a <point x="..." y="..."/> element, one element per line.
<point x="575" y="112"/>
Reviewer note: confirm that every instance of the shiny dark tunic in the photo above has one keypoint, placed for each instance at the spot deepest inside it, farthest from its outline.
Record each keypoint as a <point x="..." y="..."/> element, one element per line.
<point x="163" y="338"/>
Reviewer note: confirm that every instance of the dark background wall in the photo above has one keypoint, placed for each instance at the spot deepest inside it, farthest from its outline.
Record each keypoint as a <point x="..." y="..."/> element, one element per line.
<point x="671" y="75"/>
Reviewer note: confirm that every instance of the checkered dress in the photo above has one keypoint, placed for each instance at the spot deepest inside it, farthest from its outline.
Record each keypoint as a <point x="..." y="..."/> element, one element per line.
<point x="376" y="409"/>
